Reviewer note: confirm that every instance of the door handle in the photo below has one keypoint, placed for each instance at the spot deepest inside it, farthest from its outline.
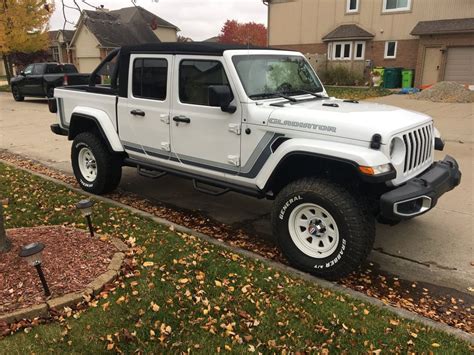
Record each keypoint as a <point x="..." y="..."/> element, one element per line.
<point x="137" y="113"/>
<point x="182" y="119"/>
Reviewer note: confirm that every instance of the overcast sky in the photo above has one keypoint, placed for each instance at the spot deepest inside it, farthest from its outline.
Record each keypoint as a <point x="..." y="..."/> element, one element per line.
<point x="198" y="19"/>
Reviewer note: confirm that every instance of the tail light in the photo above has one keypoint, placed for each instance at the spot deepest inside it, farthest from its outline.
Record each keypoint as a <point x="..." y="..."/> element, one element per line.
<point x="65" y="81"/>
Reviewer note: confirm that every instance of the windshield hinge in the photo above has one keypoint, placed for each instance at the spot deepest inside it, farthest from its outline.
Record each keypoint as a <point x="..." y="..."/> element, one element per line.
<point x="235" y="128"/>
<point x="165" y="146"/>
<point x="234" y="160"/>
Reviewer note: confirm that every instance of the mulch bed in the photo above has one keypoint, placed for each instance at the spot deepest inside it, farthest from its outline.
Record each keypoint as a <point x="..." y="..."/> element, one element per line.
<point x="443" y="305"/>
<point x="71" y="260"/>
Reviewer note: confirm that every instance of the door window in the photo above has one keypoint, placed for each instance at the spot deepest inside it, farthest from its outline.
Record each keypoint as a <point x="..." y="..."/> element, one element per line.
<point x="195" y="77"/>
<point x="150" y="78"/>
<point x="38" y="69"/>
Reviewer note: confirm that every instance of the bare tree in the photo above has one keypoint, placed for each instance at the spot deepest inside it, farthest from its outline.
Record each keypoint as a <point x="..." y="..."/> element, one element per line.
<point x="5" y="243"/>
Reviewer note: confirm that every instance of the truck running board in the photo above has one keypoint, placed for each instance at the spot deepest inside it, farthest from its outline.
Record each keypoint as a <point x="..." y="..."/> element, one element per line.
<point x="152" y="174"/>
<point x="209" y="191"/>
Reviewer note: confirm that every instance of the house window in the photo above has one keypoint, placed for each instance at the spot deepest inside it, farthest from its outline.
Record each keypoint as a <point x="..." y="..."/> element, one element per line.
<point x="390" y="50"/>
<point x="352" y="6"/>
<point x="359" y="51"/>
<point x="55" y="53"/>
<point x="342" y="50"/>
<point x="396" y="5"/>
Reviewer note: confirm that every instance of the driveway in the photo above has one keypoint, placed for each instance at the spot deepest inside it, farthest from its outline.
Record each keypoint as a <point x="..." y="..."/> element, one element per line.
<point x="436" y="247"/>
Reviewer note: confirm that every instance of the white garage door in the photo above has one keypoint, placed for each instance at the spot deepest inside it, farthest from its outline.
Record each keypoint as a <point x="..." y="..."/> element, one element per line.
<point x="87" y="65"/>
<point x="460" y="65"/>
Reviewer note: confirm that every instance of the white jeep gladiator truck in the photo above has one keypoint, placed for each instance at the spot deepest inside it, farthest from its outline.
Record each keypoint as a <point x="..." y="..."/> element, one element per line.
<point x="259" y="122"/>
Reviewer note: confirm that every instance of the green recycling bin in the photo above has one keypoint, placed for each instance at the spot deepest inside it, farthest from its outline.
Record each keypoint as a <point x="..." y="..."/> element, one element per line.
<point x="392" y="78"/>
<point x="380" y="71"/>
<point x="407" y="78"/>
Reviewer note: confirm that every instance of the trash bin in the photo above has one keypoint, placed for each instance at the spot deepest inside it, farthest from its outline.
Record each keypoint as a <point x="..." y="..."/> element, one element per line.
<point x="407" y="78"/>
<point x="392" y="78"/>
<point x="380" y="71"/>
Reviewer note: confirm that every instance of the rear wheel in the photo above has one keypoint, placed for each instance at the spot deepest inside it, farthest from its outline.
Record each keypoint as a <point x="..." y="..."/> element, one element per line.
<point x="322" y="228"/>
<point x="96" y="169"/>
<point x="17" y="96"/>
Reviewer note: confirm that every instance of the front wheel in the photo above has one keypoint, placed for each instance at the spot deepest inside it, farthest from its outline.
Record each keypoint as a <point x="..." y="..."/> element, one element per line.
<point x="322" y="228"/>
<point x="17" y="96"/>
<point x="96" y="169"/>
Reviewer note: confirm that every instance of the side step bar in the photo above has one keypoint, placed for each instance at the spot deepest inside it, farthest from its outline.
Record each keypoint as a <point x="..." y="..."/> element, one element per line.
<point x="152" y="174"/>
<point x="209" y="191"/>
<point x="219" y="184"/>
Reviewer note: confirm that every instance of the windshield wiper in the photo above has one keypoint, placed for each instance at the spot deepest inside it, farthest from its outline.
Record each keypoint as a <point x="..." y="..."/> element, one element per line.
<point x="270" y="94"/>
<point x="315" y="94"/>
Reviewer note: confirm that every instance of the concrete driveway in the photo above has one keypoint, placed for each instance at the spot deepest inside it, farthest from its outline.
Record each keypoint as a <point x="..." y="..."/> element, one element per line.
<point x="437" y="247"/>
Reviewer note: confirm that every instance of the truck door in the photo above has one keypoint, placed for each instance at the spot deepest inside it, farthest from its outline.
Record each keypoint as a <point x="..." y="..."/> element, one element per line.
<point x="26" y="83"/>
<point x="35" y="80"/>
<point x="144" y="116"/>
<point x="202" y="135"/>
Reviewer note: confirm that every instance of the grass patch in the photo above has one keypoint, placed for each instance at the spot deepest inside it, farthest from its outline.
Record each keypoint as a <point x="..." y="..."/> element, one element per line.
<point x="5" y="88"/>
<point x="187" y="295"/>
<point x="356" y="93"/>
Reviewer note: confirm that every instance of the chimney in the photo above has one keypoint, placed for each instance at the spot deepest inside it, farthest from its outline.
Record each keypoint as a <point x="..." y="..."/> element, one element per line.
<point x="102" y="8"/>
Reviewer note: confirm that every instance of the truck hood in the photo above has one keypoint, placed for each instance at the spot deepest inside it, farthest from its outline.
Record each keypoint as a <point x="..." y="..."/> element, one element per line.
<point x="350" y="120"/>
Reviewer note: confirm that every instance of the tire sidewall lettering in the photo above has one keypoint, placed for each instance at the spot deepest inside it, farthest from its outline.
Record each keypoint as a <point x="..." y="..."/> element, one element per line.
<point x="287" y="204"/>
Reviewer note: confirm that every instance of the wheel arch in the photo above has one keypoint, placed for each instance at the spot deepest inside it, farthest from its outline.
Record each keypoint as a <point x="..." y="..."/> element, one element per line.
<point x="97" y="123"/>
<point x="298" y="164"/>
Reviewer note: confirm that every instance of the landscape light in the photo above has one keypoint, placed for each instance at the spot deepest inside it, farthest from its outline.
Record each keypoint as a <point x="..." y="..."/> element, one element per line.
<point x="85" y="206"/>
<point x="33" y="255"/>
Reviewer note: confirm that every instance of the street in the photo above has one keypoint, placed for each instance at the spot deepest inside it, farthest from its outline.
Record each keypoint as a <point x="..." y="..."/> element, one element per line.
<point x="436" y="247"/>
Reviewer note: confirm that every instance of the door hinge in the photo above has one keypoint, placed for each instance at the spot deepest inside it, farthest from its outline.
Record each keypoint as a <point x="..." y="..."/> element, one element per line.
<point x="235" y="128"/>
<point x="234" y="160"/>
<point x="165" y="146"/>
<point x="165" y="118"/>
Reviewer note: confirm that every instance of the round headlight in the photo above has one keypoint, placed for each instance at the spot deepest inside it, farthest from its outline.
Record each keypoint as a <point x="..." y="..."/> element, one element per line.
<point x="397" y="150"/>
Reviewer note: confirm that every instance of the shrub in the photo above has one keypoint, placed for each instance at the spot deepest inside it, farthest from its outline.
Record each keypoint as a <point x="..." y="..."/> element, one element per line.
<point x="340" y="75"/>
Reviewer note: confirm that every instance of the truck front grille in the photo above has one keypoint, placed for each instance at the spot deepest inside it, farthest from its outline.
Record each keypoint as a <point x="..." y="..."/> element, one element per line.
<point x="419" y="148"/>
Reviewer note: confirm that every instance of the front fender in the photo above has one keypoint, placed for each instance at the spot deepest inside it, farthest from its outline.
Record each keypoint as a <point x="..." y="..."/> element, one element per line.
<point x="104" y="123"/>
<point x="356" y="155"/>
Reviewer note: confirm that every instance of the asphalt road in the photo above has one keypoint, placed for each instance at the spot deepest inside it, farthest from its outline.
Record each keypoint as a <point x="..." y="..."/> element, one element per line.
<point x="436" y="247"/>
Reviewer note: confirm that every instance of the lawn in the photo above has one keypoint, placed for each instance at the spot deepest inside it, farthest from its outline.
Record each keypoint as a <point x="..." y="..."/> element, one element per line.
<point x="355" y="93"/>
<point x="5" y="88"/>
<point x="187" y="295"/>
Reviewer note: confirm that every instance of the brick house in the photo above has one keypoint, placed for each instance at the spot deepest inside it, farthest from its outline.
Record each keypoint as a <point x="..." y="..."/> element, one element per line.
<point x="59" y="43"/>
<point x="434" y="37"/>
<point x="99" y="32"/>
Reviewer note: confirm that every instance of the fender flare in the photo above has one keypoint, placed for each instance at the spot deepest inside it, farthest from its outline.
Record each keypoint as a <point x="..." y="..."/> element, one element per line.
<point x="350" y="154"/>
<point x="103" y="123"/>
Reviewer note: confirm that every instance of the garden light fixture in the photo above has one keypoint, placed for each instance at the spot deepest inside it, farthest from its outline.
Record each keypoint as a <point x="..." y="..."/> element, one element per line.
<point x="33" y="254"/>
<point x="85" y="206"/>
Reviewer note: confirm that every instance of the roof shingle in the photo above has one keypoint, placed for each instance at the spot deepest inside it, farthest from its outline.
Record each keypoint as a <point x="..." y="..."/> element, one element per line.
<point x="463" y="25"/>
<point x="347" y="32"/>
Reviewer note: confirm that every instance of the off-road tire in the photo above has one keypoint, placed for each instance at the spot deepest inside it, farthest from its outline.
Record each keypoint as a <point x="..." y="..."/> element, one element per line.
<point x="355" y="223"/>
<point x="17" y="96"/>
<point x="109" y="165"/>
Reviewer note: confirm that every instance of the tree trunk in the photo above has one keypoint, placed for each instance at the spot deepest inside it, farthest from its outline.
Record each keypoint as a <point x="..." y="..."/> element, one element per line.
<point x="5" y="244"/>
<point x="8" y="67"/>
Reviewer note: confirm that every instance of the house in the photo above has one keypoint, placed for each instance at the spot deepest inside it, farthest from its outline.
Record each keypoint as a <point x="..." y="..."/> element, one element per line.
<point x="59" y="46"/>
<point x="99" y="32"/>
<point x="433" y="37"/>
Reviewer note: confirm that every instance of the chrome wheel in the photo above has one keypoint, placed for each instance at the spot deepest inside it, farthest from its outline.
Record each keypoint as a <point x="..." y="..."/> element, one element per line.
<point x="313" y="230"/>
<point x="87" y="164"/>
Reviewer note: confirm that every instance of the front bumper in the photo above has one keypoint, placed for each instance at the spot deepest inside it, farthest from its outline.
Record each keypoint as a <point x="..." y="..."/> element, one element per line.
<point x="420" y="194"/>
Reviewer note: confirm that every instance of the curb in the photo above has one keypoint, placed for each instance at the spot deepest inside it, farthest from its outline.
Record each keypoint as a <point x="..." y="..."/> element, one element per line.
<point x="58" y="304"/>
<point x="276" y="265"/>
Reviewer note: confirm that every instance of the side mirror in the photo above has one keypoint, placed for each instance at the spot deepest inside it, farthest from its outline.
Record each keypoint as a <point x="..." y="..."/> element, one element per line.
<point x="22" y="73"/>
<point x="221" y="96"/>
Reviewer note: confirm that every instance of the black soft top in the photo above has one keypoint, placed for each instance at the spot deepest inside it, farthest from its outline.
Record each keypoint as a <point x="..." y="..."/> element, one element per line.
<point x="204" y="48"/>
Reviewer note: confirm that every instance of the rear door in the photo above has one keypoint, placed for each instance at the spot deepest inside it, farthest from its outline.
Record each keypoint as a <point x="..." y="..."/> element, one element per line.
<point x="35" y="81"/>
<point x="144" y="116"/>
<point x="201" y="135"/>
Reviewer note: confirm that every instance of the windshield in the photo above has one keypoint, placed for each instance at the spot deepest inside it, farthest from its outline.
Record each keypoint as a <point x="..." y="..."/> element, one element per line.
<point x="268" y="75"/>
